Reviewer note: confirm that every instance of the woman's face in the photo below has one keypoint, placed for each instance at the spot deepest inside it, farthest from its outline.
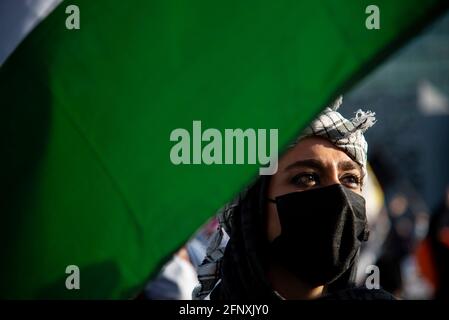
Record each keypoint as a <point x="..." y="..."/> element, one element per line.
<point x="312" y="163"/>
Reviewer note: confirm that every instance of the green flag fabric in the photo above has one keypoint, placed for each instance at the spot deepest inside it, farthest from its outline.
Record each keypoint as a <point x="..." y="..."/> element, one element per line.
<point x="86" y="117"/>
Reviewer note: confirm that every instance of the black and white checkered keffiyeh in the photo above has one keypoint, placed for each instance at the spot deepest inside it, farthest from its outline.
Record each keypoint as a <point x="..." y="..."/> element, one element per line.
<point x="209" y="270"/>
<point x="331" y="125"/>
<point x="343" y="133"/>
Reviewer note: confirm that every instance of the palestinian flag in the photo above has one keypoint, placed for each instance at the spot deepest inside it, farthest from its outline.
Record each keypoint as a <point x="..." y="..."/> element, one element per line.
<point x="86" y="115"/>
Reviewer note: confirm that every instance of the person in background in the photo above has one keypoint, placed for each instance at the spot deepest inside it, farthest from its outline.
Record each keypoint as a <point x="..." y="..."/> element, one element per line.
<point x="178" y="276"/>
<point x="433" y="251"/>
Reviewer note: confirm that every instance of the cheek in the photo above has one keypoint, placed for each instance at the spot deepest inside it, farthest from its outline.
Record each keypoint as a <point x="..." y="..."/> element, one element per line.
<point x="273" y="223"/>
<point x="359" y="191"/>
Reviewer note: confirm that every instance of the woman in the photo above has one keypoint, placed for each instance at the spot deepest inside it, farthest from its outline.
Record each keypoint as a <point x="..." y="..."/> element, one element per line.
<point x="296" y="234"/>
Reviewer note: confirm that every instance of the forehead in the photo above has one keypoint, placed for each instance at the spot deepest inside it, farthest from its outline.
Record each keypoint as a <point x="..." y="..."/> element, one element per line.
<point x="314" y="148"/>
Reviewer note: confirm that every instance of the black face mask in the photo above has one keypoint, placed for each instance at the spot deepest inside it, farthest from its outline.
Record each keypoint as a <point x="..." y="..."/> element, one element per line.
<point x="322" y="230"/>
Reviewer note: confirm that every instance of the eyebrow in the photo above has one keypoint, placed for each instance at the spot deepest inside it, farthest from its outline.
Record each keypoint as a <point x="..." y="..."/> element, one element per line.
<point x="313" y="163"/>
<point x="349" y="165"/>
<point x="306" y="163"/>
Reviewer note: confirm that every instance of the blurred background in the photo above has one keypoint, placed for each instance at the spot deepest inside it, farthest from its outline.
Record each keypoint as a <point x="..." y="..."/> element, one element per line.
<point x="409" y="153"/>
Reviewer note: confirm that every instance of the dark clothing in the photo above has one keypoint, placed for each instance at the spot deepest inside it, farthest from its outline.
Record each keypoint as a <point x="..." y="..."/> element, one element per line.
<point x="440" y="250"/>
<point x="359" y="294"/>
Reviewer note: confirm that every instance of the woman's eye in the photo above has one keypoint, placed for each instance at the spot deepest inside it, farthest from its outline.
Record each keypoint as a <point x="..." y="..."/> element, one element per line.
<point x="351" y="181"/>
<point x="305" y="180"/>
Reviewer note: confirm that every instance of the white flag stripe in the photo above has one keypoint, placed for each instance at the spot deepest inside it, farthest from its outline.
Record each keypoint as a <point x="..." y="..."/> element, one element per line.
<point x="17" y="19"/>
